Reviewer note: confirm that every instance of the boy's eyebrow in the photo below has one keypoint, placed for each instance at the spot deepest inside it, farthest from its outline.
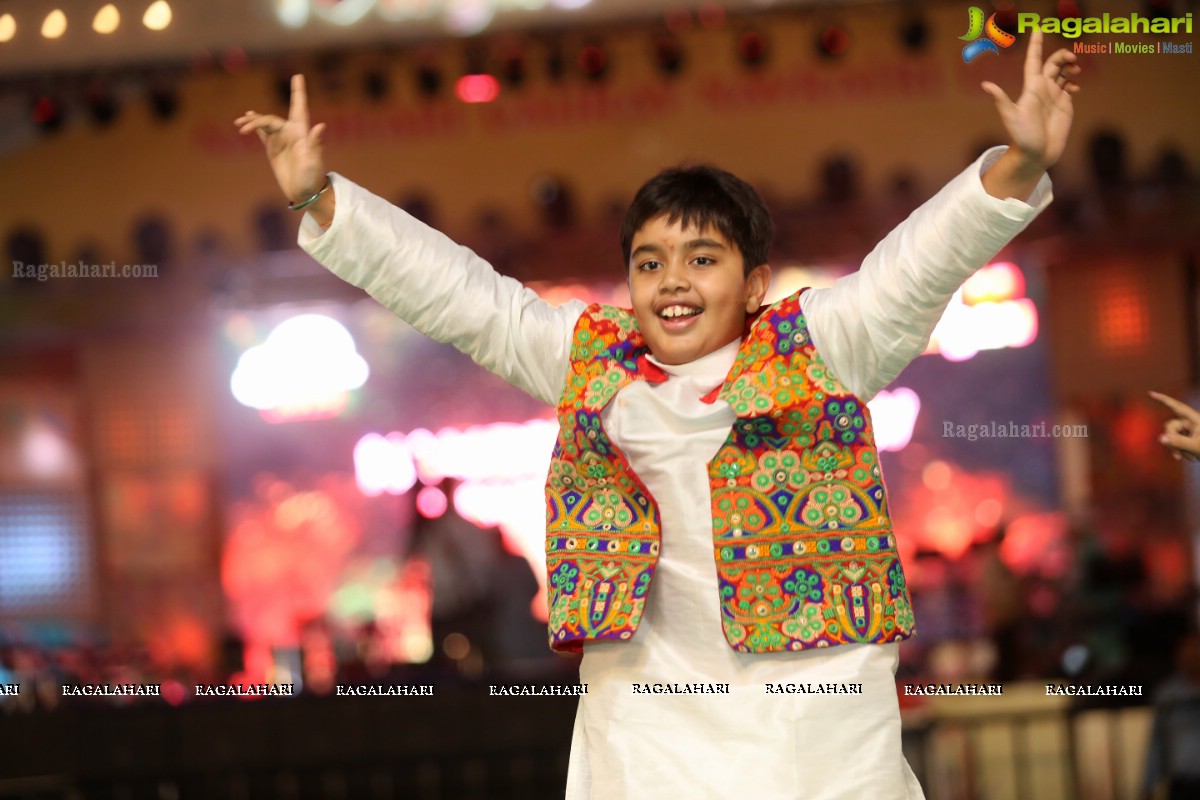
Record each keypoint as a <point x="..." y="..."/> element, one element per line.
<point x="691" y="244"/>
<point x="694" y="244"/>
<point x="648" y="249"/>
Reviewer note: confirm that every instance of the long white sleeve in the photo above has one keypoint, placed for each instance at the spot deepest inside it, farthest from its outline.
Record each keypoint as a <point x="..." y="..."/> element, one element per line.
<point x="444" y="290"/>
<point x="869" y="325"/>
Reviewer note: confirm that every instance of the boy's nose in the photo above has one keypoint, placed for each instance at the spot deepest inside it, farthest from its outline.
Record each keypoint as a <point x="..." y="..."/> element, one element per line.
<point x="674" y="276"/>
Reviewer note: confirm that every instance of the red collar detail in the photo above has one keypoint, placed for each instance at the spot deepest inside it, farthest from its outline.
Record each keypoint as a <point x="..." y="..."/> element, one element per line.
<point x="653" y="373"/>
<point x="649" y="370"/>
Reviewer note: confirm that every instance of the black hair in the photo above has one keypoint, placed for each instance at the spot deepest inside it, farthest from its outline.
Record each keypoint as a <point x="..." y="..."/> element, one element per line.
<point x="703" y="196"/>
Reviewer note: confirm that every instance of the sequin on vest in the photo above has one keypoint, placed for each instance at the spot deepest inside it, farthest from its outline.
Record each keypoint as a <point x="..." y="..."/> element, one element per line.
<point x="802" y="540"/>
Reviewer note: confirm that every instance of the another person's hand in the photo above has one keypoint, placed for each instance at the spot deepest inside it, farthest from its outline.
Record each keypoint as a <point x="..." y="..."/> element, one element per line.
<point x="293" y="148"/>
<point x="1181" y="434"/>
<point x="1039" y="121"/>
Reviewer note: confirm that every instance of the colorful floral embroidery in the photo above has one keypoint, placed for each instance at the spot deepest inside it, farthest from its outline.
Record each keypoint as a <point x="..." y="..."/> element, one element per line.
<point x="802" y="539"/>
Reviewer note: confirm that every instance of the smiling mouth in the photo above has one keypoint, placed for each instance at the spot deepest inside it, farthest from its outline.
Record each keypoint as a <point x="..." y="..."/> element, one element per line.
<point x="678" y="312"/>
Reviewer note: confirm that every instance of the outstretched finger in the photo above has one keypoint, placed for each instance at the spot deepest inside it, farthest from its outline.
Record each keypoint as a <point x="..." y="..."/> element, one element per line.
<point x="1182" y="409"/>
<point x="998" y="94"/>
<point x="298" y="111"/>
<point x="264" y="123"/>
<point x="249" y="116"/>
<point x="1033" y="57"/>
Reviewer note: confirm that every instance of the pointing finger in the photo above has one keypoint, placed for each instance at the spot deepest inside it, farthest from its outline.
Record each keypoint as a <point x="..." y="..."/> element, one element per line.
<point x="1033" y="57"/>
<point x="1182" y="409"/>
<point x="298" y="112"/>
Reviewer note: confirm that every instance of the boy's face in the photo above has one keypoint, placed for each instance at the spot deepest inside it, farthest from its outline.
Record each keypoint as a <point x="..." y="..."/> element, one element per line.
<point x="689" y="289"/>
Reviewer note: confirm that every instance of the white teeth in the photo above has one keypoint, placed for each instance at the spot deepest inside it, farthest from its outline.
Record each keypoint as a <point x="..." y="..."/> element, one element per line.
<point x="671" y="312"/>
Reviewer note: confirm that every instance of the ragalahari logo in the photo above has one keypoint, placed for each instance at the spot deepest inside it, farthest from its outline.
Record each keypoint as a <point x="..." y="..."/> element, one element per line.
<point x="993" y="37"/>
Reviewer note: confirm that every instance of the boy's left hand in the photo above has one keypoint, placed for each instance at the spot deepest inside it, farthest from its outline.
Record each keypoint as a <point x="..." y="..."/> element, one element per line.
<point x="1038" y="123"/>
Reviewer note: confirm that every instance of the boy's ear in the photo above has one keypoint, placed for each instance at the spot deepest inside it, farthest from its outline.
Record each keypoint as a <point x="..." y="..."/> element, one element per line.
<point x="757" y="283"/>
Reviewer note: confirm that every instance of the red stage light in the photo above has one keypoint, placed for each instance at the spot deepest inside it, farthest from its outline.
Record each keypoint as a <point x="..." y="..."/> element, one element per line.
<point x="173" y="692"/>
<point x="833" y="42"/>
<point x="752" y="48"/>
<point x="44" y="110"/>
<point x="593" y="61"/>
<point x="432" y="502"/>
<point x="477" y="88"/>
<point x="1122" y="311"/>
<point x="47" y="113"/>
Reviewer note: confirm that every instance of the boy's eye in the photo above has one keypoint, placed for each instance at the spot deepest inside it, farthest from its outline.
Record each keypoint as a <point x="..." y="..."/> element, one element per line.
<point x="648" y="266"/>
<point x="703" y="261"/>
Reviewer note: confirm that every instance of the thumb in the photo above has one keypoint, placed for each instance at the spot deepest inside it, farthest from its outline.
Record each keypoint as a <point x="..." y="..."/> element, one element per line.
<point x="1182" y="443"/>
<point x="314" y="135"/>
<point x="1177" y="439"/>
<point x="997" y="94"/>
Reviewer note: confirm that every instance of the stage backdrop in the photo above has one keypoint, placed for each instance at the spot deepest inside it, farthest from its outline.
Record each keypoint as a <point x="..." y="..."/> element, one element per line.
<point x="888" y="108"/>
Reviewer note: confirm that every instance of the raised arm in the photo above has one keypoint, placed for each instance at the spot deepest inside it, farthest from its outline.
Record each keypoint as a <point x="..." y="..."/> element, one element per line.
<point x="440" y="288"/>
<point x="869" y="325"/>
<point x="444" y="290"/>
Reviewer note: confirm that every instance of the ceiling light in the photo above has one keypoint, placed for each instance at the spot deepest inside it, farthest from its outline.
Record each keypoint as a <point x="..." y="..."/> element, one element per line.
<point x="107" y="19"/>
<point x="55" y="24"/>
<point x="157" y="16"/>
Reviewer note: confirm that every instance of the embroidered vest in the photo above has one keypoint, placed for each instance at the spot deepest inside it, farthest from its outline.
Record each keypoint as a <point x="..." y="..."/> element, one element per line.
<point x="802" y="540"/>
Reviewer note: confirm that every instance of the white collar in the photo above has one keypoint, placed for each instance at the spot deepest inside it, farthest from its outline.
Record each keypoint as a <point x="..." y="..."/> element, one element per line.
<point x="707" y="371"/>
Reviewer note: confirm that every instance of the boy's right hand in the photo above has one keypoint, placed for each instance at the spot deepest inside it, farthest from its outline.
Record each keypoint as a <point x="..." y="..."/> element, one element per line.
<point x="293" y="148"/>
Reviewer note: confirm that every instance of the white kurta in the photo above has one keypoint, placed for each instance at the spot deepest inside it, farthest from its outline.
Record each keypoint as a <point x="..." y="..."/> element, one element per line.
<point x="867" y="327"/>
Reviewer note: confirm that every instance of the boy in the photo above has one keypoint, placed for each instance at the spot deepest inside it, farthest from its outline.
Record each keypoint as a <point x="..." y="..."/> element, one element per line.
<point x="700" y="430"/>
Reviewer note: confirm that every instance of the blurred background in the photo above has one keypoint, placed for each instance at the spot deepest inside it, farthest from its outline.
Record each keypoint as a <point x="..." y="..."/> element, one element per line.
<point x="225" y="465"/>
